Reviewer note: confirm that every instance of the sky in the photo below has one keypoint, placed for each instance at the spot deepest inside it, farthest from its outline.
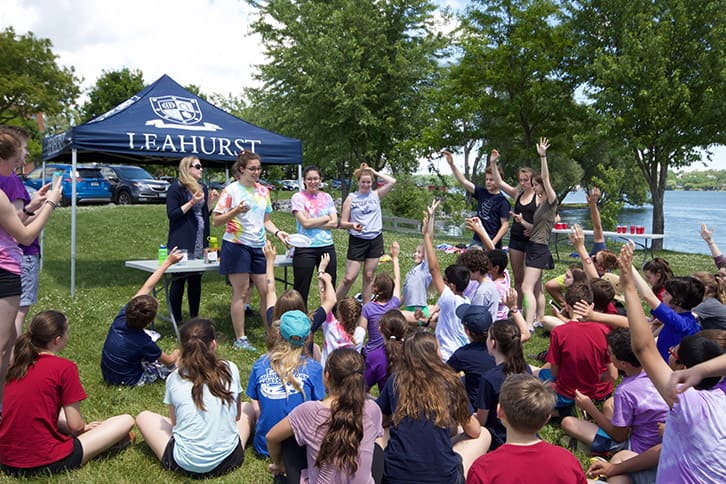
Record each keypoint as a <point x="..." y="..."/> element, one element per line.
<point x="203" y="42"/>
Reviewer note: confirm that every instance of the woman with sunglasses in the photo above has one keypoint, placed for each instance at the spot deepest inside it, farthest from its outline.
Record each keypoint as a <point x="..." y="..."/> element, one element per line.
<point x="187" y="206"/>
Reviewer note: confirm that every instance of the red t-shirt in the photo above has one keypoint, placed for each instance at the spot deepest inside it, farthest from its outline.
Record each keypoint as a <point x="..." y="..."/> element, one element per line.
<point x="514" y="464"/>
<point x="580" y="349"/>
<point x="29" y="435"/>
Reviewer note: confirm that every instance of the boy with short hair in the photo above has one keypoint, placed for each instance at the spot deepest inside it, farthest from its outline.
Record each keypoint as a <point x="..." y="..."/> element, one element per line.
<point x="578" y="355"/>
<point x="634" y="412"/>
<point x="129" y="356"/>
<point x="525" y="406"/>
<point x="486" y="293"/>
<point x="449" y="330"/>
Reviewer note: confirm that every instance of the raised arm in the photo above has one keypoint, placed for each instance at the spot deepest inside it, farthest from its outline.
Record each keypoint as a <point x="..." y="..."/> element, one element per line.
<point x="388" y="182"/>
<point x="707" y="236"/>
<point x="542" y="147"/>
<point x="504" y="186"/>
<point x="270" y="254"/>
<point x="395" y="251"/>
<point x="325" y="285"/>
<point x="511" y="301"/>
<point x="172" y="258"/>
<point x="644" y="289"/>
<point x="641" y="337"/>
<point x="681" y="380"/>
<point x="468" y="186"/>
<point x="592" y="199"/>
<point x="428" y="236"/>
<point x="577" y="239"/>
<point x="474" y="224"/>
<point x="585" y="312"/>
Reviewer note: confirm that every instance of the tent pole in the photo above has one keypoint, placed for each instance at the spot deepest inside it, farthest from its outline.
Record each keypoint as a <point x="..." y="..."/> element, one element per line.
<point x="299" y="177"/>
<point x="74" y="166"/>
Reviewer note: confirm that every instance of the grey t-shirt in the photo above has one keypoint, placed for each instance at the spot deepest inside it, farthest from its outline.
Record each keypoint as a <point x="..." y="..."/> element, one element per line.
<point x="711" y="314"/>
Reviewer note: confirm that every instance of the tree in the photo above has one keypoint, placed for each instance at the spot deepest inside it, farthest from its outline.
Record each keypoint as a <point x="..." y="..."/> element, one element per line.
<point x="111" y="89"/>
<point x="31" y="81"/>
<point x="348" y="78"/>
<point x="653" y="70"/>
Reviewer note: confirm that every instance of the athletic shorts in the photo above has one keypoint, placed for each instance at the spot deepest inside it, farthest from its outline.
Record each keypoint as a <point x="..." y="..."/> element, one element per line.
<point x="73" y="461"/>
<point x="603" y="443"/>
<point x="29" y="279"/>
<point x="424" y="310"/>
<point x="241" y="259"/>
<point x="362" y="249"/>
<point x="518" y="244"/>
<point x="538" y="256"/>
<point x="9" y="284"/>
<point x="230" y="463"/>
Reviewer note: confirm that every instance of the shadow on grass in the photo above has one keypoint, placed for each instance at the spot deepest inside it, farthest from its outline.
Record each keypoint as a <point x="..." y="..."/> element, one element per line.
<point x="93" y="273"/>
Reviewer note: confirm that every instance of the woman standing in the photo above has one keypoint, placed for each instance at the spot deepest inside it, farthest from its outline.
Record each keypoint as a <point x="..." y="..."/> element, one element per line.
<point x="244" y="208"/>
<point x="538" y="255"/>
<point x="361" y="215"/>
<point x="12" y="232"/>
<point x="316" y="215"/>
<point x="187" y="207"/>
<point x="525" y="203"/>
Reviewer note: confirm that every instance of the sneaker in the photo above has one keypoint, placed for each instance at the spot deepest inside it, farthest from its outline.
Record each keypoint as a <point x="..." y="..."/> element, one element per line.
<point x="538" y="324"/>
<point x="359" y="297"/>
<point x="243" y="344"/>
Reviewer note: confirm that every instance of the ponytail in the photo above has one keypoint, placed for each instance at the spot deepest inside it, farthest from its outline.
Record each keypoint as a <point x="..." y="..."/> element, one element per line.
<point x="508" y="338"/>
<point x="393" y="327"/>
<point x="200" y="365"/>
<point x="43" y="329"/>
<point x="340" y="444"/>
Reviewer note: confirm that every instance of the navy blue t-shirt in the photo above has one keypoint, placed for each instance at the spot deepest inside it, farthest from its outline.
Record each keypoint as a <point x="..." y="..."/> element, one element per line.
<point x="474" y="360"/>
<point x="491" y="209"/>
<point x="124" y="350"/>
<point x="489" y="388"/>
<point x="417" y="450"/>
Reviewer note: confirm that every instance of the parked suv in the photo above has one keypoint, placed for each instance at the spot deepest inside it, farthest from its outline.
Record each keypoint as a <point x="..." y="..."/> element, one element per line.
<point x="133" y="184"/>
<point x="91" y="186"/>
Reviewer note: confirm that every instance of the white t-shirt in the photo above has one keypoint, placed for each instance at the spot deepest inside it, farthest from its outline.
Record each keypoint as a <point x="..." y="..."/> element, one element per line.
<point x="203" y="439"/>
<point x="449" y="330"/>
<point x="334" y="337"/>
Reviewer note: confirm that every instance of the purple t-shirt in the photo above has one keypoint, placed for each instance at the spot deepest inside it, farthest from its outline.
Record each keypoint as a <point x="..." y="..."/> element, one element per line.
<point x="309" y="423"/>
<point x="373" y="311"/>
<point x="638" y="405"/>
<point x="15" y="190"/>
<point x="694" y="439"/>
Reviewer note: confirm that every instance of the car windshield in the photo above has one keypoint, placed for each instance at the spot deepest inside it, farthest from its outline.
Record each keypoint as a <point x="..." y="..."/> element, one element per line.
<point x="133" y="172"/>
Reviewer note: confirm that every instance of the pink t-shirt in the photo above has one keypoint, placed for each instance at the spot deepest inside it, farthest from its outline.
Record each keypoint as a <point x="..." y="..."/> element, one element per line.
<point x="10" y="253"/>
<point x="309" y="422"/>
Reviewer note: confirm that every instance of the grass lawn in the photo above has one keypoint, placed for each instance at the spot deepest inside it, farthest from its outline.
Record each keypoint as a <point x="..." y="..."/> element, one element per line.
<point x="109" y="235"/>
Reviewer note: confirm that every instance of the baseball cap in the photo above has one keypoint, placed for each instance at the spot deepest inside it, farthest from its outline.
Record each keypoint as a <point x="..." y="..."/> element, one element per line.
<point x="295" y="327"/>
<point x="476" y="318"/>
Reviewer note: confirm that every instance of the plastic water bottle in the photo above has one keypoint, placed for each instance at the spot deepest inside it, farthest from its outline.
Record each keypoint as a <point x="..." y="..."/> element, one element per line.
<point x="163" y="253"/>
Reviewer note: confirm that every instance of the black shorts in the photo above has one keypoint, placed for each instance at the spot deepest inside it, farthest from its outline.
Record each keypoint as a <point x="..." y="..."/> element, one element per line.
<point x="362" y="249"/>
<point x="241" y="259"/>
<point x="73" y="461"/>
<point x="518" y="244"/>
<point x="230" y="463"/>
<point x="538" y="256"/>
<point x="9" y="284"/>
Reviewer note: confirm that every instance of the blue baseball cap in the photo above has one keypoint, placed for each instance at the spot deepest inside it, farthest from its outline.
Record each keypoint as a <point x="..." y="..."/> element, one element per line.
<point x="476" y="318"/>
<point x="295" y="327"/>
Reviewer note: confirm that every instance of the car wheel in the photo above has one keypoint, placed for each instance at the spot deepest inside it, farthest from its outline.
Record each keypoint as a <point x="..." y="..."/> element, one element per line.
<point x="65" y="202"/>
<point x="124" y="198"/>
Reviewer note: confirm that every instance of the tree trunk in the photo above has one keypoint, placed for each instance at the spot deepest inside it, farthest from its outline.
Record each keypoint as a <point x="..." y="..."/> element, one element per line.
<point x="657" y="194"/>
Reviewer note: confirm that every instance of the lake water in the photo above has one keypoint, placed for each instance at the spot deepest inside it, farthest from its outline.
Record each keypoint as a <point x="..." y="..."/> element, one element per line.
<point x="684" y="213"/>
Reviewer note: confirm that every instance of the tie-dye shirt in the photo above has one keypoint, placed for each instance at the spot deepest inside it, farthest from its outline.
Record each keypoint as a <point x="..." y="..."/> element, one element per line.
<point x="314" y="206"/>
<point x="246" y="228"/>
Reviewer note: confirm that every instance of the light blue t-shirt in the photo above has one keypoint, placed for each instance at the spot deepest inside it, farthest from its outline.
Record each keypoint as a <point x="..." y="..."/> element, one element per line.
<point x="487" y="295"/>
<point x="365" y="209"/>
<point x="314" y="206"/>
<point x="416" y="285"/>
<point x="203" y="438"/>
<point x="266" y="387"/>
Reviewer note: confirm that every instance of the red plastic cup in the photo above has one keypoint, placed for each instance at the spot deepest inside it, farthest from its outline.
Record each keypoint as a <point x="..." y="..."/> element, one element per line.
<point x="632" y="229"/>
<point x="558" y="226"/>
<point x="564" y="225"/>
<point x="641" y="229"/>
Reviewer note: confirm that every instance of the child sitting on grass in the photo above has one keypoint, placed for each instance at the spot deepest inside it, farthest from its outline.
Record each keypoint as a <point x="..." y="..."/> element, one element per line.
<point x="42" y="430"/>
<point x="416" y="284"/>
<point x="129" y="356"/>
<point x="525" y="405"/>
<point x="632" y="414"/>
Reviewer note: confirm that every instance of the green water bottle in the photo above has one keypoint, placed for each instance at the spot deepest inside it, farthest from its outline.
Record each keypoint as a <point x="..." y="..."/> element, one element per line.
<point x="163" y="253"/>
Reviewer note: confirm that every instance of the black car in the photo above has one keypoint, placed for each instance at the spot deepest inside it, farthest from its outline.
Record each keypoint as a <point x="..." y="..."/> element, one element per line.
<point x="133" y="184"/>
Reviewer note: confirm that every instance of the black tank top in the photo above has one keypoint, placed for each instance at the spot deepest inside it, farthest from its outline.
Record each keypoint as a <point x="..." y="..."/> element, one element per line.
<point x="527" y="212"/>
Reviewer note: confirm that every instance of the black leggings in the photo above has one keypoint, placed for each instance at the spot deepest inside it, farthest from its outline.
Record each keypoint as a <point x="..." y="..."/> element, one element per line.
<point x="194" y="294"/>
<point x="304" y="266"/>
<point x="295" y="458"/>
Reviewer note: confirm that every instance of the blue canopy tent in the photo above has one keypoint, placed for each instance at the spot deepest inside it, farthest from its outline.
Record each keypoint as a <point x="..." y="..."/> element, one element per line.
<point x="161" y="124"/>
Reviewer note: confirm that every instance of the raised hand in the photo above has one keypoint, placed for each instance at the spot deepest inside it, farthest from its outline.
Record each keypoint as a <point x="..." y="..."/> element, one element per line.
<point x="542" y="146"/>
<point x="324" y="261"/>
<point x="395" y="249"/>
<point x="706" y="235"/>
<point x="577" y="236"/>
<point x="593" y="196"/>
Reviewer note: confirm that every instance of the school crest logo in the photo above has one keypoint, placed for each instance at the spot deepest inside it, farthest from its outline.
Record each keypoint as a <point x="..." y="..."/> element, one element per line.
<point x="181" y="113"/>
